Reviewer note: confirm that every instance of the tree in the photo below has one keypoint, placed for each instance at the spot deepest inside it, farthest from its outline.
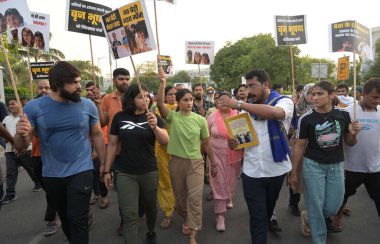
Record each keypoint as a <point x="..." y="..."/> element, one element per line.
<point x="85" y="68"/>
<point x="148" y="76"/>
<point x="235" y="59"/>
<point x="374" y="71"/>
<point x="303" y="69"/>
<point x="180" y="77"/>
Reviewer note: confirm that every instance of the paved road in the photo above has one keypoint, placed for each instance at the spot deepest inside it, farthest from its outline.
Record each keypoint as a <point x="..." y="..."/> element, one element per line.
<point x="21" y="222"/>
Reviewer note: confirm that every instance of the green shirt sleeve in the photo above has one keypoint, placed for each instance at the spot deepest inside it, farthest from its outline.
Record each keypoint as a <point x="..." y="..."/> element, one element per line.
<point x="169" y="116"/>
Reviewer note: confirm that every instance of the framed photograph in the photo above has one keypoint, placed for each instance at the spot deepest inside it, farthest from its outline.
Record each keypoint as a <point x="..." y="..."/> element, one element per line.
<point x="241" y="128"/>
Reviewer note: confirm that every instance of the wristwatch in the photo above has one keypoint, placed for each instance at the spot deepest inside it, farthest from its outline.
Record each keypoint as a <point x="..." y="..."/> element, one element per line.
<point x="239" y="104"/>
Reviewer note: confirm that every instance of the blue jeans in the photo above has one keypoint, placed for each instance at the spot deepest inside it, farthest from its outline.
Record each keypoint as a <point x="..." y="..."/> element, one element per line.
<point x="323" y="192"/>
<point x="261" y="195"/>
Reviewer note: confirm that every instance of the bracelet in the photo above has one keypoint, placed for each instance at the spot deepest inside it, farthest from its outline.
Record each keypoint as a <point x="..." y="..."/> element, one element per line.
<point x="108" y="172"/>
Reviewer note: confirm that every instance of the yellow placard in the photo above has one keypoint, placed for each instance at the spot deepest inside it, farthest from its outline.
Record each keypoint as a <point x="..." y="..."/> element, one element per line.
<point x="343" y="68"/>
<point x="241" y="128"/>
<point x="131" y="13"/>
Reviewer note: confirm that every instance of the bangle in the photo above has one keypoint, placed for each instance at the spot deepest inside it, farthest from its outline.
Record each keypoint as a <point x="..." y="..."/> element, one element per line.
<point x="108" y="172"/>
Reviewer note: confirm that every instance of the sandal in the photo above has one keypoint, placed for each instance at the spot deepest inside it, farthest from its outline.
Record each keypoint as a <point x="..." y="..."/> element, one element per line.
<point x="104" y="202"/>
<point x="166" y="222"/>
<point x="210" y="196"/>
<point x="186" y="230"/>
<point x="94" y="200"/>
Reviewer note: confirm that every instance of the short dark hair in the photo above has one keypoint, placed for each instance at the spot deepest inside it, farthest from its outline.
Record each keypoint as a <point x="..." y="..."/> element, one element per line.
<point x="129" y="96"/>
<point x="120" y="71"/>
<point x="168" y="88"/>
<point x="299" y="88"/>
<point x="260" y="74"/>
<point x="342" y="85"/>
<point x="224" y="93"/>
<point x="276" y="86"/>
<point x="23" y="98"/>
<point x="12" y="99"/>
<point x="198" y="84"/>
<point x="91" y="83"/>
<point x="369" y="85"/>
<point x="181" y="93"/>
<point x="60" y="73"/>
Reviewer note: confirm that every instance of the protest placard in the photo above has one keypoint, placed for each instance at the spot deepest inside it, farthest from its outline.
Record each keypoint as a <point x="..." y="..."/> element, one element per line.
<point x="128" y="30"/>
<point x="36" y="35"/>
<point x="199" y="52"/>
<point x="13" y="15"/>
<point x="290" y="30"/>
<point x="166" y="64"/>
<point x="350" y="36"/>
<point x="40" y="70"/>
<point x="343" y="68"/>
<point x="85" y="17"/>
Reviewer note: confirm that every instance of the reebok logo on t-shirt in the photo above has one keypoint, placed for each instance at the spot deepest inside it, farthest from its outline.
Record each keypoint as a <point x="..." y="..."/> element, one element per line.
<point x="131" y="125"/>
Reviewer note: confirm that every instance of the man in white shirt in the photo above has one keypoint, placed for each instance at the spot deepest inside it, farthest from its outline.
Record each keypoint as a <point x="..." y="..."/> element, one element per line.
<point x="12" y="160"/>
<point x="265" y="165"/>
<point x="362" y="161"/>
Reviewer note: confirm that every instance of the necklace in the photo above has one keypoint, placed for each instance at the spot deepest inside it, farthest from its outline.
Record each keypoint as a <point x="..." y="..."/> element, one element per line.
<point x="324" y="115"/>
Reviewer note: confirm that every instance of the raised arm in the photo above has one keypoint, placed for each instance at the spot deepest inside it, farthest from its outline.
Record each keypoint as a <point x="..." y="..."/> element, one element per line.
<point x="164" y="111"/>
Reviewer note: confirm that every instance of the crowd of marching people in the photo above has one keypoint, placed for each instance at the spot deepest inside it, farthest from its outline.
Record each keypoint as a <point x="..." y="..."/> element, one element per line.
<point x="160" y="152"/>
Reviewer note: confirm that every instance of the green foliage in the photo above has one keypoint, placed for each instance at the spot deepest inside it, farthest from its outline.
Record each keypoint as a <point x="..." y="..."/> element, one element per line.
<point x="22" y="92"/>
<point x="259" y="52"/>
<point x="374" y="71"/>
<point x="180" y="77"/>
<point x="303" y="69"/>
<point x="85" y="68"/>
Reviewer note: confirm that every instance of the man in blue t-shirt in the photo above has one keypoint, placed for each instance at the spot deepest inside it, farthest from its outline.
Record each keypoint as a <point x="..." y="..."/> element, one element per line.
<point x="65" y="122"/>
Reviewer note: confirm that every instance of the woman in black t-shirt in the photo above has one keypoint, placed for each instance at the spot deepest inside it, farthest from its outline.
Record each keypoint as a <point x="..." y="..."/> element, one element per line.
<point x="135" y="131"/>
<point x="321" y="132"/>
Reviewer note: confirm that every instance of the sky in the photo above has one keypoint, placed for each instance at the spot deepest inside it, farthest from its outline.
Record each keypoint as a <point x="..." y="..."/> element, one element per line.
<point x="209" y="20"/>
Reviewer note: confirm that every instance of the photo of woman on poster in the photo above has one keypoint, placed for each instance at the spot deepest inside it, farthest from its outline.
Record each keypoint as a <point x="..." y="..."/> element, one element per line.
<point x="197" y="57"/>
<point x="39" y="41"/>
<point x="13" y="19"/>
<point x="205" y="59"/>
<point x="3" y="24"/>
<point x="143" y="37"/>
<point x="27" y="37"/>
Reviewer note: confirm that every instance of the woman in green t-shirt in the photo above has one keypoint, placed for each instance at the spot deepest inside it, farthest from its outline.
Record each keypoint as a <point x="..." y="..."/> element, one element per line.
<point x="188" y="134"/>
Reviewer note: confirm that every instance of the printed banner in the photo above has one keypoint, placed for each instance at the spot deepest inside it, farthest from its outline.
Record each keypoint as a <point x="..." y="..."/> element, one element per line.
<point x="290" y="30"/>
<point x="174" y="2"/>
<point x="128" y="30"/>
<point x="343" y="68"/>
<point x="349" y="36"/>
<point x="36" y="35"/>
<point x="40" y="70"/>
<point x="85" y="17"/>
<point x="167" y="64"/>
<point x="13" y="15"/>
<point x="199" y="52"/>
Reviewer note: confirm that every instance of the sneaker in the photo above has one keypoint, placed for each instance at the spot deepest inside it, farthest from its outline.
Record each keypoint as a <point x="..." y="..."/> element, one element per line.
<point x="294" y="210"/>
<point x="151" y="237"/>
<point x="7" y="199"/>
<point x="51" y="229"/>
<point x="274" y="226"/>
<point x="220" y="226"/>
<point x="37" y="188"/>
<point x="305" y="228"/>
<point x="331" y="227"/>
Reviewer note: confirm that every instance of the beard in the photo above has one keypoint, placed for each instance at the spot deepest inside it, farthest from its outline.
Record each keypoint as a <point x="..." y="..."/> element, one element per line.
<point x="122" y="88"/>
<point x="198" y="96"/>
<point x="41" y="95"/>
<point x="73" y="97"/>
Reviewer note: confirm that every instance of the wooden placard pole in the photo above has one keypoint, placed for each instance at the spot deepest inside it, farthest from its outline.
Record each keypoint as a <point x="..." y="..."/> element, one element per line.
<point x="292" y="64"/>
<point x="137" y="79"/>
<point x="10" y="72"/>
<point x="157" y="39"/>
<point x="30" y="75"/>
<point x="354" y="73"/>
<point x="92" y="62"/>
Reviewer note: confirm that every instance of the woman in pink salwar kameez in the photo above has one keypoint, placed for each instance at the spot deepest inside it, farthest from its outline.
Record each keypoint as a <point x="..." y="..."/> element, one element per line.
<point x="227" y="162"/>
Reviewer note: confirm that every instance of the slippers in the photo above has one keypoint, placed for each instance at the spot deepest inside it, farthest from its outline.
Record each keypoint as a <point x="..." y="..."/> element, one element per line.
<point x="186" y="230"/>
<point x="166" y="222"/>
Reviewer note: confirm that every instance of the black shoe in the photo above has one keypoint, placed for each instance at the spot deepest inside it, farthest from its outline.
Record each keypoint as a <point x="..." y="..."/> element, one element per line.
<point x="273" y="226"/>
<point x="151" y="237"/>
<point x="8" y="198"/>
<point x="294" y="210"/>
<point x="331" y="227"/>
<point x="120" y="229"/>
